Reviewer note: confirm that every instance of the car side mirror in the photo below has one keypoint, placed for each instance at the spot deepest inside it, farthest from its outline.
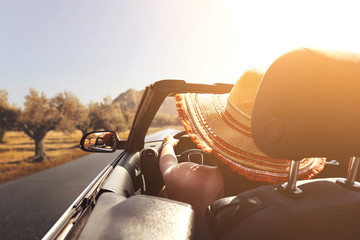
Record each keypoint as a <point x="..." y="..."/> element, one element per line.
<point x="101" y="141"/>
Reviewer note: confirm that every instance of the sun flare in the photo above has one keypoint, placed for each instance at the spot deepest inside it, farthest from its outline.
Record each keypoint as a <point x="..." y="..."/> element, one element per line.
<point x="266" y="29"/>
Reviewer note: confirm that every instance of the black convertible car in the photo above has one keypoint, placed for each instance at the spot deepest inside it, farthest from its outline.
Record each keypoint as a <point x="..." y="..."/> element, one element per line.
<point x="307" y="105"/>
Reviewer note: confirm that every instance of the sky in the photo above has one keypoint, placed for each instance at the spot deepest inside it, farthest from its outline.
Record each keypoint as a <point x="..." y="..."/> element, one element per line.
<point x="102" y="48"/>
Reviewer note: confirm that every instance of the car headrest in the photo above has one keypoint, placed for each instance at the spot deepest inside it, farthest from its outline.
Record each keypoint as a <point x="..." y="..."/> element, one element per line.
<point x="308" y="105"/>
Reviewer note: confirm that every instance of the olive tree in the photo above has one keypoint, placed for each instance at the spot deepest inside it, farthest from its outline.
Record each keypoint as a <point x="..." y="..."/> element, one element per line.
<point x="72" y="110"/>
<point x="77" y="115"/>
<point x="41" y="115"/>
<point x="82" y="120"/>
<point x="8" y="114"/>
<point x="107" y="116"/>
<point x="98" y="116"/>
<point x="103" y="115"/>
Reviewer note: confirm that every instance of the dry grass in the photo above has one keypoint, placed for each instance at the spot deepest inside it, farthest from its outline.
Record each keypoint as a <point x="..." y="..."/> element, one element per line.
<point x="18" y="147"/>
<point x="60" y="148"/>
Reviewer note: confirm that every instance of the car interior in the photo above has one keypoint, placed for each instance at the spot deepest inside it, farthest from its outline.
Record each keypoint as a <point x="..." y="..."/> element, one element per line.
<point x="306" y="106"/>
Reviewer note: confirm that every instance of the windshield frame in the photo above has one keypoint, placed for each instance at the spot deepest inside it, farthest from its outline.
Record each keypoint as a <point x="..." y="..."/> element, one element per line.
<point x="153" y="97"/>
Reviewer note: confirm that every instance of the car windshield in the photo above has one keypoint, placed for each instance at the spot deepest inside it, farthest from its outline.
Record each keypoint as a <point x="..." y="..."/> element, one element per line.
<point x="166" y="119"/>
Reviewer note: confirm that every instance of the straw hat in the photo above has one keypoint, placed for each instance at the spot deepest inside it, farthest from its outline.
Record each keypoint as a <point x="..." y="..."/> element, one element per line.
<point x="220" y="124"/>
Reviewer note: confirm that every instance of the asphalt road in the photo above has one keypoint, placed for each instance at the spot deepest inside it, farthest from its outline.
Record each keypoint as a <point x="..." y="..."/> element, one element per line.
<point x="31" y="205"/>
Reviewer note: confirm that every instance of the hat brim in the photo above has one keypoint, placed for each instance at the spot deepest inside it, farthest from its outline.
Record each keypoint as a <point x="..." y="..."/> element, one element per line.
<point x="219" y="127"/>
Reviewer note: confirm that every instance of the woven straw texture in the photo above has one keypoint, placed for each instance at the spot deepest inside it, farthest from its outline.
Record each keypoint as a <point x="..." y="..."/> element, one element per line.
<point x="220" y="124"/>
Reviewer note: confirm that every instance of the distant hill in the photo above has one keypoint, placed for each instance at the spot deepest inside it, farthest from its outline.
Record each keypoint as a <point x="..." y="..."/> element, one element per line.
<point x="131" y="98"/>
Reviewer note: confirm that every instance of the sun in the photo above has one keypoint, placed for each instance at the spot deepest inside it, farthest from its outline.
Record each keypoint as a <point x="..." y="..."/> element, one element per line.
<point x="266" y="29"/>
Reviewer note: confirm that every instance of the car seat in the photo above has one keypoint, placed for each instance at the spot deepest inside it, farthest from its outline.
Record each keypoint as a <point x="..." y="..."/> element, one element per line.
<point x="307" y="105"/>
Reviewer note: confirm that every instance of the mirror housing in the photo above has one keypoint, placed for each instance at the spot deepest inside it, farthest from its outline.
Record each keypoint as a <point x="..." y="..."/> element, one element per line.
<point x="101" y="141"/>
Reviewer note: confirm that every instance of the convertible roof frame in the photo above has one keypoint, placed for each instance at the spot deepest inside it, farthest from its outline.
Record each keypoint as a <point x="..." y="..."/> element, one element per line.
<point x="152" y="99"/>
